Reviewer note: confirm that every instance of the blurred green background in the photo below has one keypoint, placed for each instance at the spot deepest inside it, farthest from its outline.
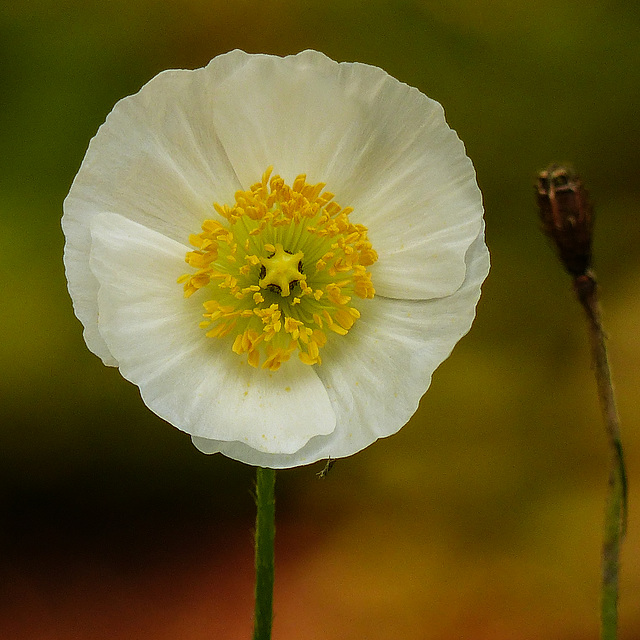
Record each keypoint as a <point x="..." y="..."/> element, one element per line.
<point x="482" y="518"/>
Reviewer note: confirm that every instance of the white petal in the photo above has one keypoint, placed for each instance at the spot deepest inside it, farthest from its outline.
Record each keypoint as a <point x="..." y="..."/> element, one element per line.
<point x="376" y="379"/>
<point x="411" y="183"/>
<point x="83" y="288"/>
<point x="282" y="112"/>
<point x="196" y="383"/>
<point x="381" y="146"/>
<point x="157" y="160"/>
<point x="376" y="375"/>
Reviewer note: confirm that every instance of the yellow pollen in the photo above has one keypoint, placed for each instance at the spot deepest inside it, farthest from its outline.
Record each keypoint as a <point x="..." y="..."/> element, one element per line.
<point x="279" y="268"/>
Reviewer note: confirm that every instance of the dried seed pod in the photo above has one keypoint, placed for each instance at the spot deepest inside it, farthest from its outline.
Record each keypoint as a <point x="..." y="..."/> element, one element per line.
<point x="567" y="216"/>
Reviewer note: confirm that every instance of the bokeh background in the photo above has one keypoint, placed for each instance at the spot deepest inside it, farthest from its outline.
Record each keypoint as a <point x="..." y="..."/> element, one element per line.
<point x="481" y="519"/>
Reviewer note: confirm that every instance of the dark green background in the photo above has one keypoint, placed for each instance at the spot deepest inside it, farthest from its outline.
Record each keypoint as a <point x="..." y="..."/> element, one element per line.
<point x="482" y="518"/>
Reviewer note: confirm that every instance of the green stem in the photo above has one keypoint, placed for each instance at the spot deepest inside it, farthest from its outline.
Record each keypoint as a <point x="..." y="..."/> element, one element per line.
<point x="616" y="511"/>
<point x="611" y="552"/>
<point x="265" y="537"/>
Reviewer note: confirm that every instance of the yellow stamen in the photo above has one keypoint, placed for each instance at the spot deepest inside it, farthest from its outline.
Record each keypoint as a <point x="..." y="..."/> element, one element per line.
<point x="279" y="267"/>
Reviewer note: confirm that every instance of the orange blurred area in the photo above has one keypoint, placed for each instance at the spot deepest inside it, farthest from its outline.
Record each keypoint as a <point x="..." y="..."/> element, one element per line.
<point x="480" y="519"/>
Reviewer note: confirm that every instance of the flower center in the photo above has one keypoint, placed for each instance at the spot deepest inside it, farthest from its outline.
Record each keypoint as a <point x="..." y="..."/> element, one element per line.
<point x="280" y="271"/>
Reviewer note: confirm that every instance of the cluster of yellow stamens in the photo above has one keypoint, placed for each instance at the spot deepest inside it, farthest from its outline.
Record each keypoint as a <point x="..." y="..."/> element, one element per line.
<point x="280" y="270"/>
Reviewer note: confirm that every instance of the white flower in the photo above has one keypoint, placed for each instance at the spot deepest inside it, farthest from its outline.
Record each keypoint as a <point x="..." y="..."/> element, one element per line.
<point x="301" y="329"/>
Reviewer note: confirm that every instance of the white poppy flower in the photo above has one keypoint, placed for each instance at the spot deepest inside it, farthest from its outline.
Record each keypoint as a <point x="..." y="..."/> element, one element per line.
<point x="317" y="297"/>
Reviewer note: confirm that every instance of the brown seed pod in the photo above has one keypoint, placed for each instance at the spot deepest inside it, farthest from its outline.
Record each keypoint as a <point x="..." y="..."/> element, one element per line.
<point x="566" y="216"/>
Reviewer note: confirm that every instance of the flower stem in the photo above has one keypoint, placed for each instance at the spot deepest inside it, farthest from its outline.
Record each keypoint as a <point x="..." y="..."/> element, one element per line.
<point x="616" y="510"/>
<point x="265" y="537"/>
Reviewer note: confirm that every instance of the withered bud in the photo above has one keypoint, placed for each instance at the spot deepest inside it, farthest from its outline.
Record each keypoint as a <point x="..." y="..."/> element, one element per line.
<point x="567" y="216"/>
